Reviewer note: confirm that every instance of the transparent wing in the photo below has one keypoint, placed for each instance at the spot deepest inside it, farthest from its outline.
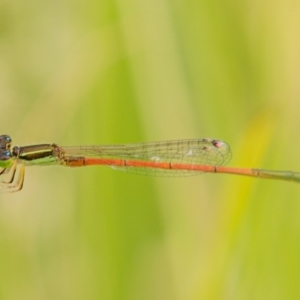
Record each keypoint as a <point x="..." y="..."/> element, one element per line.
<point x="150" y="156"/>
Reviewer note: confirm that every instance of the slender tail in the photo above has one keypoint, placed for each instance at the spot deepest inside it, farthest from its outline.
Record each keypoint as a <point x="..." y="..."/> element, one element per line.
<point x="281" y="175"/>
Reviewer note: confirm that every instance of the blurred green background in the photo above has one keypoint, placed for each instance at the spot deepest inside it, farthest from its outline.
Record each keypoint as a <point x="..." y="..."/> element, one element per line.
<point x="109" y="72"/>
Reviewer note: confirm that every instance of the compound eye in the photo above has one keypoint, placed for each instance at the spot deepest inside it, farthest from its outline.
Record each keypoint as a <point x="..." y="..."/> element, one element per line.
<point x="5" y="155"/>
<point x="5" y="159"/>
<point x="5" y="141"/>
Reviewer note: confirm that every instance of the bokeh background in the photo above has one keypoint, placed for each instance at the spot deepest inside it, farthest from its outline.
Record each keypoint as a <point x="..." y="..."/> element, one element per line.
<point x="109" y="72"/>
